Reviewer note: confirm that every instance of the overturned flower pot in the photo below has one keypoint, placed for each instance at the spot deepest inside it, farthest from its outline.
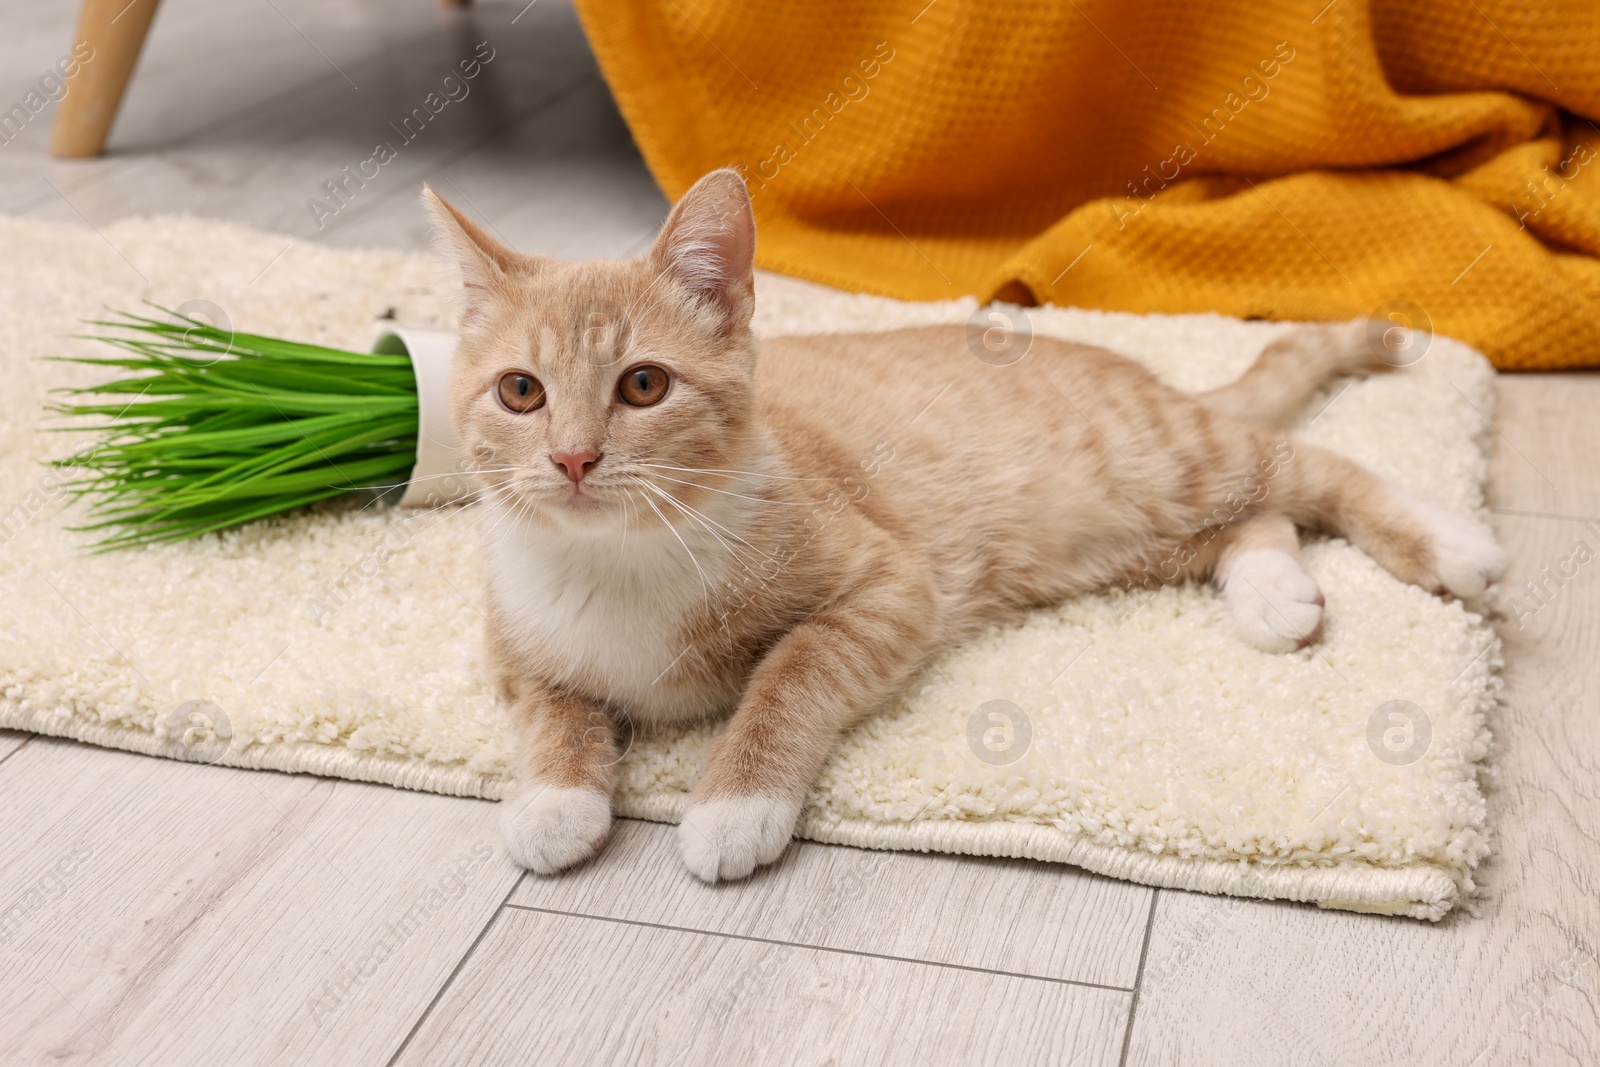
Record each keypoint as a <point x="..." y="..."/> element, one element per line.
<point x="206" y="429"/>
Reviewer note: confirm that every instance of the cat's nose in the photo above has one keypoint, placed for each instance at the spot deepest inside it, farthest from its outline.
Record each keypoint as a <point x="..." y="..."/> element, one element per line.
<point x="575" y="464"/>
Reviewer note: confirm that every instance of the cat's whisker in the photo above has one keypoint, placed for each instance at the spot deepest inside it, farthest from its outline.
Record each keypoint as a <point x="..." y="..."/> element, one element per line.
<point x="650" y="485"/>
<point x="733" y="551"/>
<point x="500" y="515"/>
<point x="734" y="555"/>
<point x="742" y="556"/>
<point x="475" y="494"/>
<point x="464" y="474"/>
<point x="702" y="516"/>
<point x="741" y="496"/>
<point x="522" y="510"/>
<point x="627" y="520"/>
<point x="748" y="474"/>
<point x="419" y="510"/>
<point x="685" y="512"/>
<point x="506" y="509"/>
<point x="705" y="585"/>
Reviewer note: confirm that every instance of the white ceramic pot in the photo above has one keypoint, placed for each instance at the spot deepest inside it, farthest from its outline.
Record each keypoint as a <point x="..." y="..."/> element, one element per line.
<point x="441" y="474"/>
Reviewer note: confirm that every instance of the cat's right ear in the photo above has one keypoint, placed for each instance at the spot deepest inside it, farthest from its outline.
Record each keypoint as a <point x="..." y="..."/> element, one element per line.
<point x="708" y="243"/>
<point x="484" y="262"/>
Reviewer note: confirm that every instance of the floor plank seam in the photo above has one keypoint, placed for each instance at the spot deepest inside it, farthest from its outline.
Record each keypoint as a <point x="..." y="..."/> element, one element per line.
<point x="1138" y="980"/>
<point x="1520" y="514"/>
<point x="455" y="971"/>
<point x="823" y="948"/>
<point x="25" y="743"/>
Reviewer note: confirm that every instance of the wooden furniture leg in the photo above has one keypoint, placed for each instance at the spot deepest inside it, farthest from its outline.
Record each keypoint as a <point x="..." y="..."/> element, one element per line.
<point x="115" y="29"/>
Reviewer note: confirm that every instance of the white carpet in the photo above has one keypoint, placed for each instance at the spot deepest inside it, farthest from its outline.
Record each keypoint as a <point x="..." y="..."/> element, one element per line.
<point x="1163" y="750"/>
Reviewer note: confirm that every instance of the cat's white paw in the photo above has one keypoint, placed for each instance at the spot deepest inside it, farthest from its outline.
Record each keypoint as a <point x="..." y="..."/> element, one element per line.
<point x="549" y="828"/>
<point x="1276" y="606"/>
<point x="726" y="839"/>
<point x="1466" y="558"/>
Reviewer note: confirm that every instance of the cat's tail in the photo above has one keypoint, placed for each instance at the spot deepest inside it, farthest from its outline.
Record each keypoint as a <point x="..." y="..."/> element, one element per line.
<point x="1290" y="370"/>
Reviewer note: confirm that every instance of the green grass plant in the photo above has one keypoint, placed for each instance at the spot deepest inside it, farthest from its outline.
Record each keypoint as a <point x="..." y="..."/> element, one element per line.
<point x="204" y="429"/>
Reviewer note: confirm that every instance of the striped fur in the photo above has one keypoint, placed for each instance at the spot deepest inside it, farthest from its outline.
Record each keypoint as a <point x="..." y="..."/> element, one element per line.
<point x="786" y="540"/>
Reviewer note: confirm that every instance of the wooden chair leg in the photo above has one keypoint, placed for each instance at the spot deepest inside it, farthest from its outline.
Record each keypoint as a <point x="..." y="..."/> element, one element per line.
<point x="115" y="30"/>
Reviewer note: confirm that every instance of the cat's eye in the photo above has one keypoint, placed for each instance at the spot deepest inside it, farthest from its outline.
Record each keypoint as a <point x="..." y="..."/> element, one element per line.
<point x="520" y="393"/>
<point x="643" y="385"/>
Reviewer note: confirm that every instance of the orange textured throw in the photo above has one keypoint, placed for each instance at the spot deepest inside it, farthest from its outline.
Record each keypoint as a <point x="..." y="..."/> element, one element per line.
<point x="1288" y="159"/>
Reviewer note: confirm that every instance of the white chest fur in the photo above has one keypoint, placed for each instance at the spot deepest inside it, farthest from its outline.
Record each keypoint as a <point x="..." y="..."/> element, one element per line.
<point x="606" y="612"/>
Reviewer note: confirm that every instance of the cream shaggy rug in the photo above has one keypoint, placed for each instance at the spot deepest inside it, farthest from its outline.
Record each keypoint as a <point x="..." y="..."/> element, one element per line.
<point x="1137" y="739"/>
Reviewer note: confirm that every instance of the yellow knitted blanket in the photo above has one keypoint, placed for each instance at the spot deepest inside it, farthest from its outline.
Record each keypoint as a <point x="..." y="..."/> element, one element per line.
<point x="1429" y="160"/>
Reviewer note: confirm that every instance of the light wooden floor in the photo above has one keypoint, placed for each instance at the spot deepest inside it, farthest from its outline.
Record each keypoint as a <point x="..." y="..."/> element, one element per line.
<point x="168" y="913"/>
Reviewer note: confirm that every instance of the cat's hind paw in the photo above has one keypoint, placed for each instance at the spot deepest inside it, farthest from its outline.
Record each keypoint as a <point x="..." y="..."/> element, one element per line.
<point x="726" y="839"/>
<point x="550" y="828"/>
<point x="1466" y="558"/>
<point x="1276" y="606"/>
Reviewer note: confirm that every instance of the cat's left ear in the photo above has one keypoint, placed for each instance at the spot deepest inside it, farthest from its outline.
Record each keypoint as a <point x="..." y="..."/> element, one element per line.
<point x="709" y="243"/>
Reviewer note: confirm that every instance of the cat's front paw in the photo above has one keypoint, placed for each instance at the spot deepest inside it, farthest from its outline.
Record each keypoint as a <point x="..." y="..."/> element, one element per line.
<point x="725" y="839"/>
<point x="1276" y="606"/>
<point x="550" y="828"/>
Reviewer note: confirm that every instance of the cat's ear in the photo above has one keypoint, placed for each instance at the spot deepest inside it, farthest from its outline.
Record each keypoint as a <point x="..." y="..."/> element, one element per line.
<point x="483" y="261"/>
<point x="709" y="243"/>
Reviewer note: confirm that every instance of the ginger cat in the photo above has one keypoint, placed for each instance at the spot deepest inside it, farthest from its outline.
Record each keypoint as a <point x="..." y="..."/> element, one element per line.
<point x="681" y="527"/>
